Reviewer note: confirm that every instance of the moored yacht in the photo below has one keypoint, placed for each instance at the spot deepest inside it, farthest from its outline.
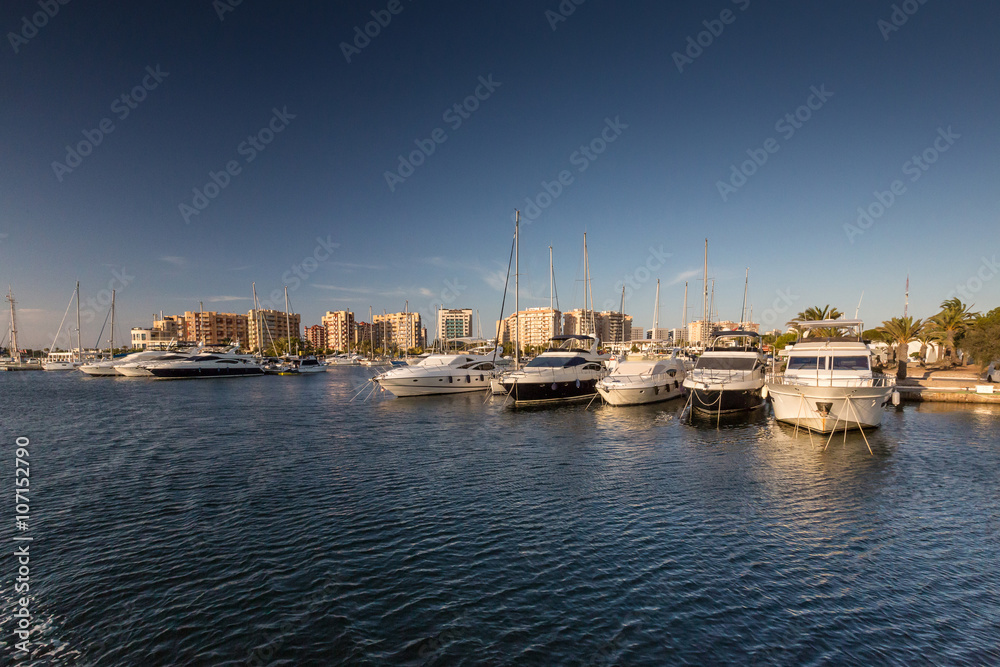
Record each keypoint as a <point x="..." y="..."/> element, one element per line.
<point x="134" y="365"/>
<point x="447" y="373"/>
<point x="310" y="364"/>
<point x="729" y="376"/>
<point x="635" y="382"/>
<point x="207" y="365"/>
<point x="567" y="371"/>
<point x="828" y="384"/>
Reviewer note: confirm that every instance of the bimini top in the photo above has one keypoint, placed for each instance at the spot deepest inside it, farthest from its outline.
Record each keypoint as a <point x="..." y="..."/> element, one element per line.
<point x="853" y="328"/>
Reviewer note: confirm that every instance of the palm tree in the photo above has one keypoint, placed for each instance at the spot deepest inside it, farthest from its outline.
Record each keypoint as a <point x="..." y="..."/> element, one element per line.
<point x="900" y="331"/>
<point x="949" y="325"/>
<point x="814" y="313"/>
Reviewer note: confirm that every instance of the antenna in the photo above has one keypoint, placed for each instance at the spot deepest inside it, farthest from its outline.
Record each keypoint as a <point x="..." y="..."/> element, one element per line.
<point x="856" y="310"/>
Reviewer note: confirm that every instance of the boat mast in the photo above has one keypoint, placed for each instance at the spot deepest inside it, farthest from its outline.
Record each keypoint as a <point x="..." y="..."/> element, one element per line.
<point x="517" y="275"/>
<point x="622" y="313"/>
<point x="656" y="312"/>
<point x="704" y="302"/>
<point x="79" y="338"/>
<point x="111" y="354"/>
<point x="371" y="332"/>
<point x="288" y="326"/>
<point x="743" y="311"/>
<point x="256" y="313"/>
<point x="409" y="337"/>
<point x="684" y="315"/>
<point x="586" y="288"/>
<point x="16" y="356"/>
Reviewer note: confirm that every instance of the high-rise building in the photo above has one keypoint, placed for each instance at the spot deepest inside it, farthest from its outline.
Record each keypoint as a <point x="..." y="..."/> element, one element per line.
<point x="215" y="328"/>
<point x="401" y="330"/>
<point x="609" y="326"/>
<point x="699" y="331"/>
<point x="638" y="333"/>
<point x="535" y="326"/>
<point x="316" y="335"/>
<point x="454" y="323"/>
<point x="268" y="326"/>
<point x="339" y="330"/>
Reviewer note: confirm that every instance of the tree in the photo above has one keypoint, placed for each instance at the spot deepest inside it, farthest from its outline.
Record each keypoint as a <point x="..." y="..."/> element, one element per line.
<point x="784" y="340"/>
<point x="814" y="313"/>
<point x="951" y="323"/>
<point x="981" y="341"/>
<point x="875" y="335"/>
<point x="899" y="331"/>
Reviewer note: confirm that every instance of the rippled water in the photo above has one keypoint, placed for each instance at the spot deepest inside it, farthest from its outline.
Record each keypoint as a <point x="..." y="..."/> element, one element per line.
<point x="273" y="521"/>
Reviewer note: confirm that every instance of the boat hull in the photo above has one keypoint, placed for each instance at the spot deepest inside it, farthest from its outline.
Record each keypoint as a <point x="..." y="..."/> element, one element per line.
<point x="829" y="409"/>
<point x="133" y="371"/>
<point x="528" y="392"/>
<point x="635" y="394"/>
<point x="60" y="366"/>
<point x="198" y="373"/>
<point x="725" y="401"/>
<point x="441" y="384"/>
<point x="97" y="370"/>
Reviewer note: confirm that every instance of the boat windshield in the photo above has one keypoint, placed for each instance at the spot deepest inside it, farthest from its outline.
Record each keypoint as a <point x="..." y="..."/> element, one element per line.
<point x="726" y="363"/>
<point x="796" y="363"/>
<point x="543" y="361"/>
<point x="859" y="363"/>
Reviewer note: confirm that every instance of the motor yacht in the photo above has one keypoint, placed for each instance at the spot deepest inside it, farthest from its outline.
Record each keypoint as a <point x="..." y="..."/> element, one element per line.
<point x="567" y="371"/>
<point x="448" y="373"/>
<point x="639" y="381"/>
<point x="207" y="365"/>
<point x="729" y="376"/>
<point x="134" y="365"/>
<point x="827" y="384"/>
<point x="310" y="364"/>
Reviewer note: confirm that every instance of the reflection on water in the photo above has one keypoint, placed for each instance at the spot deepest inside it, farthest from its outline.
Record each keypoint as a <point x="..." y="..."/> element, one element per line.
<point x="276" y="521"/>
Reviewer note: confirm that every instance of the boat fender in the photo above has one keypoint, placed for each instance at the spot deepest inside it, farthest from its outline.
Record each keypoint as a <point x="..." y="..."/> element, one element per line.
<point x="895" y="398"/>
<point x="764" y="392"/>
<point x="577" y="384"/>
<point x="554" y="385"/>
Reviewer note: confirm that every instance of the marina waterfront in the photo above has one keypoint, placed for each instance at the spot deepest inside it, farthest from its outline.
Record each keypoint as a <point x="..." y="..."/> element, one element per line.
<point x="275" y="521"/>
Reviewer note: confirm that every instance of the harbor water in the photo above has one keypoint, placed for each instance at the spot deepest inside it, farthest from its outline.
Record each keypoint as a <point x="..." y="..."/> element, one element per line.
<point x="273" y="520"/>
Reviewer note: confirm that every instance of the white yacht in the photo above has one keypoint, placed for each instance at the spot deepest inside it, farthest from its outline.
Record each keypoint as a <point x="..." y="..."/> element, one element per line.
<point x="448" y="373"/>
<point x="62" y="361"/>
<point x="207" y="365"/>
<point x="343" y="360"/>
<point x="310" y="364"/>
<point x="729" y="376"/>
<point x="828" y="384"/>
<point x="134" y="365"/>
<point x="567" y="371"/>
<point x="104" y="367"/>
<point x="639" y="381"/>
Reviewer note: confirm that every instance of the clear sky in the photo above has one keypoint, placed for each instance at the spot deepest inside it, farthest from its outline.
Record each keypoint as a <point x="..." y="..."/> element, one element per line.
<point x="343" y="169"/>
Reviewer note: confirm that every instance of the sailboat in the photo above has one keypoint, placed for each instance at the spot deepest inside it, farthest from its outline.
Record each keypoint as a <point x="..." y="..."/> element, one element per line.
<point x="649" y="379"/>
<point x="66" y="361"/>
<point x="16" y="363"/>
<point x="106" y="367"/>
<point x="568" y="370"/>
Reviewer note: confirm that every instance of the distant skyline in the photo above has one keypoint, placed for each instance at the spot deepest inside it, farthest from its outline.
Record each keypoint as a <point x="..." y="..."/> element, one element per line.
<point x="370" y="154"/>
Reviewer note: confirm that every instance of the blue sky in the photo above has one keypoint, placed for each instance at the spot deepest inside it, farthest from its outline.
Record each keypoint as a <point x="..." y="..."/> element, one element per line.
<point x="766" y="138"/>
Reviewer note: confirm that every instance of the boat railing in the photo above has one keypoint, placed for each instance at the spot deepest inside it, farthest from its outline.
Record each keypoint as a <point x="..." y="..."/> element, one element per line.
<point x="721" y="376"/>
<point x="831" y="381"/>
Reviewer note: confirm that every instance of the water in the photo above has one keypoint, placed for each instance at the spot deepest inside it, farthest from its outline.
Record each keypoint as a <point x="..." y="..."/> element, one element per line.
<point x="272" y="521"/>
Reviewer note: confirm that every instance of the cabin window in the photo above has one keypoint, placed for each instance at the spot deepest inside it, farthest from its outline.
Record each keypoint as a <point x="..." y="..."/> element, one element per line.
<point x="850" y="363"/>
<point x="804" y="363"/>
